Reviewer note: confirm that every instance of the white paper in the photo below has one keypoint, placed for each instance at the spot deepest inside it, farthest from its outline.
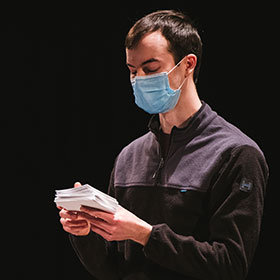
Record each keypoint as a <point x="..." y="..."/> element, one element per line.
<point x="73" y="198"/>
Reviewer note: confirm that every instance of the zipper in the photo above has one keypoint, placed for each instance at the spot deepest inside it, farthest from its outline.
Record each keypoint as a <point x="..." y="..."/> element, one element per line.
<point x="161" y="163"/>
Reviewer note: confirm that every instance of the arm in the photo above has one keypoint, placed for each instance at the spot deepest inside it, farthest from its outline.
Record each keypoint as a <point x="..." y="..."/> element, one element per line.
<point x="95" y="248"/>
<point x="122" y="225"/>
<point x="234" y="225"/>
<point x="96" y="254"/>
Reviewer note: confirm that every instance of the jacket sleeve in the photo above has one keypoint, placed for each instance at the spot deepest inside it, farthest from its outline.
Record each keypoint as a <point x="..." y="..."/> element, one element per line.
<point x="235" y="203"/>
<point x="96" y="254"/>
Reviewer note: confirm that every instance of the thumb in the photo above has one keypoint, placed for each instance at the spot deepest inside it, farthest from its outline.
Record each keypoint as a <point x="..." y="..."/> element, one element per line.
<point x="77" y="184"/>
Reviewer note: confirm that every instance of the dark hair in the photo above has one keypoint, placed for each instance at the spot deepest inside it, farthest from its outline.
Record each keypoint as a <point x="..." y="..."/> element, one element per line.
<point x="177" y="29"/>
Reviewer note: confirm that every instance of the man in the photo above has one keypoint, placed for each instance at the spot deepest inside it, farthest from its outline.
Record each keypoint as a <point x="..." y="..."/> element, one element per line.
<point x="191" y="190"/>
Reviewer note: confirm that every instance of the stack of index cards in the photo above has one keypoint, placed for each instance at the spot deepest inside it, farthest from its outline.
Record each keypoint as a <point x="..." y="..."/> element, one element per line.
<point x="73" y="198"/>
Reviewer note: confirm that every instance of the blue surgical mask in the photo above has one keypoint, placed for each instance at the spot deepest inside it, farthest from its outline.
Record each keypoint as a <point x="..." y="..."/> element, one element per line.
<point x="153" y="93"/>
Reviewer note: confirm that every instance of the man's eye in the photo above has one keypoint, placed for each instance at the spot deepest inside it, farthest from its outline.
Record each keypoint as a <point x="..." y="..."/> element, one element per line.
<point x="151" y="70"/>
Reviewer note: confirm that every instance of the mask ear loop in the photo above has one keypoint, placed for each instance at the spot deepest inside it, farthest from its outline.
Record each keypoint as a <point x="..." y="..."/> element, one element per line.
<point x="174" y="68"/>
<point x="182" y="84"/>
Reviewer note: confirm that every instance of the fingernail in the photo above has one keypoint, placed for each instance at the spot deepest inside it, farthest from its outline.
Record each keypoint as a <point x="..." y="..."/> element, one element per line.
<point x="77" y="184"/>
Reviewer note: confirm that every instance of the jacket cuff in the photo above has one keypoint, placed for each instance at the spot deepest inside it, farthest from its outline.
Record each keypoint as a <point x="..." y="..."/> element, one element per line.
<point x="153" y="249"/>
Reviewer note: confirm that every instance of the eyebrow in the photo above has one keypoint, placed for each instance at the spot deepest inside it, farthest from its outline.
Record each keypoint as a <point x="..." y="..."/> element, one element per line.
<point x="145" y="62"/>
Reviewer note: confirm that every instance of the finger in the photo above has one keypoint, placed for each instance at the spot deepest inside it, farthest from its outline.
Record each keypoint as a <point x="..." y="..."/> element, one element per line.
<point x="77" y="184"/>
<point x="101" y="232"/>
<point x="92" y="219"/>
<point x="99" y="223"/>
<point x="77" y="230"/>
<point x="106" y="216"/>
<point x="68" y="214"/>
<point x="86" y="216"/>
<point x="74" y="224"/>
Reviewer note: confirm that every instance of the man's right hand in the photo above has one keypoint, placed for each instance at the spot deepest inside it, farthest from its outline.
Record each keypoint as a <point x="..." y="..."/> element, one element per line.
<point x="73" y="222"/>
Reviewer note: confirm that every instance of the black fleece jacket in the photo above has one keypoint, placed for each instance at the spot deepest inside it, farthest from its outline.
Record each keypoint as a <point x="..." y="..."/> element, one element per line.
<point x="204" y="199"/>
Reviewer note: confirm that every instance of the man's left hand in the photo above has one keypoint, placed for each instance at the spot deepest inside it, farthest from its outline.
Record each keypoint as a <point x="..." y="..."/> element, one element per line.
<point x="121" y="225"/>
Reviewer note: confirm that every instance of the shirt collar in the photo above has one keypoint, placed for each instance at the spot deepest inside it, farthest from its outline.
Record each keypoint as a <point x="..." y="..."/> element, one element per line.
<point x="194" y="124"/>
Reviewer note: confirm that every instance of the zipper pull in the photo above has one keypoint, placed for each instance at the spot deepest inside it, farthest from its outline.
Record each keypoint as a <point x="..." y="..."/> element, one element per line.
<point x="161" y="163"/>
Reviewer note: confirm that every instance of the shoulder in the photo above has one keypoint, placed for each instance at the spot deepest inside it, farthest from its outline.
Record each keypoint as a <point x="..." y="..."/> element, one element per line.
<point x="249" y="159"/>
<point x="142" y="143"/>
<point x="221" y="144"/>
<point x="244" y="150"/>
<point x="138" y="150"/>
<point x="227" y="136"/>
<point x="214" y="132"/>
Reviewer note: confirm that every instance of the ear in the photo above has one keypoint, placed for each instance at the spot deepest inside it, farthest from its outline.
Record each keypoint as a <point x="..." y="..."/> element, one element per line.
<point x="190" y="63"/>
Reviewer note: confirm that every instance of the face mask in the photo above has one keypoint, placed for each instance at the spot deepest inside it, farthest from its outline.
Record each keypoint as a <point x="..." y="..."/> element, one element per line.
<point x="153" y="93"/>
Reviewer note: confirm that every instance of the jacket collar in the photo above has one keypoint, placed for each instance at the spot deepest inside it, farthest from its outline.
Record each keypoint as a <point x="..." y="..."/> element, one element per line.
<point x="196" y="124"/>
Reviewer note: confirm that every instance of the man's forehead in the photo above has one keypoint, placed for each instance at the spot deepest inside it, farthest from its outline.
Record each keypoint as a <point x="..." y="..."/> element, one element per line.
<point x="153" y="40"/>
<point x="150" y="46"/>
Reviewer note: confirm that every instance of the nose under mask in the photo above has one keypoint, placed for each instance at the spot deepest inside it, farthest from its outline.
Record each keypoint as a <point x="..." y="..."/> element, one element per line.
<point x="153" y="93"/>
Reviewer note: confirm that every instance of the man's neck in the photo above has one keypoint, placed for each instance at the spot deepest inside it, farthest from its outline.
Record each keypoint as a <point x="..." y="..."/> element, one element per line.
<point x="188" y="104"/>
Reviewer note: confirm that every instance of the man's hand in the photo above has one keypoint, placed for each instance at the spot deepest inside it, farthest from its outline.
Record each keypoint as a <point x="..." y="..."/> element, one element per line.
<point x="122" y="225"/>
<point x="73" y="222"/>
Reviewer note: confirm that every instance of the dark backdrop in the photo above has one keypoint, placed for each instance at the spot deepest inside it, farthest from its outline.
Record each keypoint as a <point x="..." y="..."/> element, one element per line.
<point x="68" y="109"/>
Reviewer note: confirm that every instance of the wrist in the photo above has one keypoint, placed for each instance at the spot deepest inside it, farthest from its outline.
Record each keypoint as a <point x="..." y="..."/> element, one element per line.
<point x="143" y="233"/>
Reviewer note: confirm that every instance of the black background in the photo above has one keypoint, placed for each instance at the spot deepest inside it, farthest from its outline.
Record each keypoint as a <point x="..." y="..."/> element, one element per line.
<point x="68" y="109"/>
